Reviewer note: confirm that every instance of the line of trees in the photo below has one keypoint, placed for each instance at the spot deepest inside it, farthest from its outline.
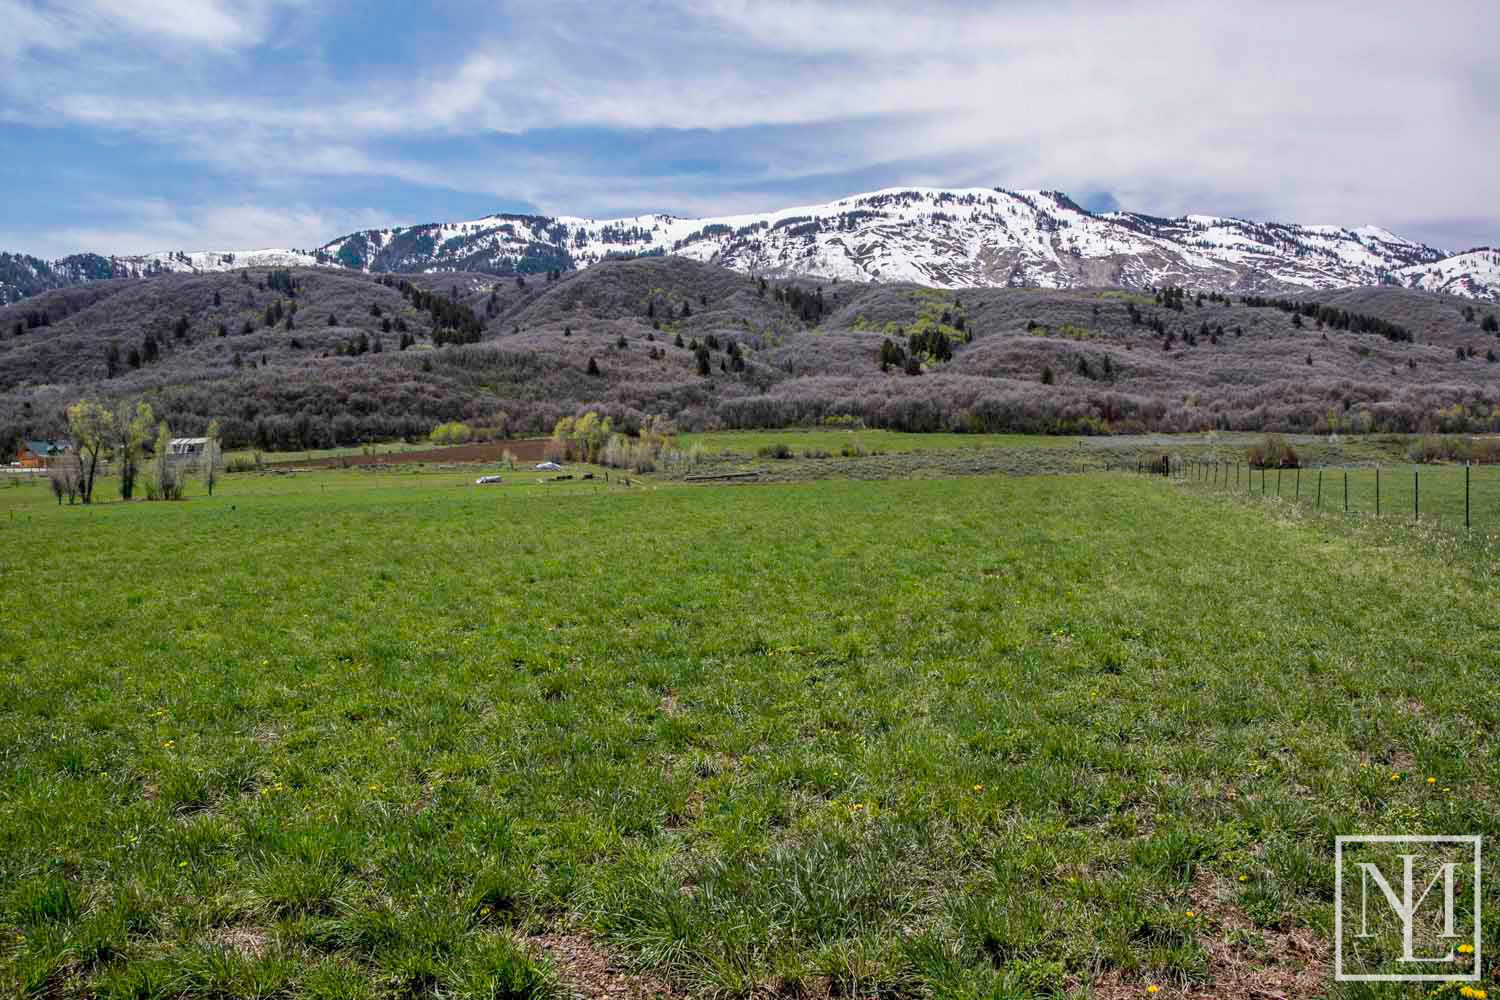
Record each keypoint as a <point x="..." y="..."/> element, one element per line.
<point x="101" y="435"/>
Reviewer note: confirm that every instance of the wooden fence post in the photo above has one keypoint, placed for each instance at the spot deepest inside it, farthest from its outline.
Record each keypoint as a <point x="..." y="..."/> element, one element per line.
<point x="1377" y="491"/>
<point x="1467" y="465"/>
<point x="1416" y="494"/>
<point x="1346" y="489"/>
<point x="1320" y="490"/>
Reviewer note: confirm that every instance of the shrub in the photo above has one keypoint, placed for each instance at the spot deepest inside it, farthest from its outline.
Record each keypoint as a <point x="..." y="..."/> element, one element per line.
<point x="779" y="451"/>
<point x="454" y="432"/>
<point x="816" y="453"/>
<point x="1272" y="453"/>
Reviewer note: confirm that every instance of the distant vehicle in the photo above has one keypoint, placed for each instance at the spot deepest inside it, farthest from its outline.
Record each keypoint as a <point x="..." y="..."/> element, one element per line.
<point x="486" y="480"/>
<point x="549" y="466"/>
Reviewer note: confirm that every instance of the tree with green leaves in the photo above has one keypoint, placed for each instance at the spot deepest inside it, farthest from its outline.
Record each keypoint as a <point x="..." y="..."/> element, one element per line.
<point x="92" y="427"/>
<point x="211" y="456"/>
<point x="132" y="429"/>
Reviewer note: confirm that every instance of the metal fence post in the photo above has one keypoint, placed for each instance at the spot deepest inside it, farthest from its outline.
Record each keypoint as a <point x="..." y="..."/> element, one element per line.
<point x="1377" y="491"/>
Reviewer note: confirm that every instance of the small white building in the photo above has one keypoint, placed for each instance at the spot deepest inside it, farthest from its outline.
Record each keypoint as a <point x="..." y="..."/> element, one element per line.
<point x="186" y="446"/>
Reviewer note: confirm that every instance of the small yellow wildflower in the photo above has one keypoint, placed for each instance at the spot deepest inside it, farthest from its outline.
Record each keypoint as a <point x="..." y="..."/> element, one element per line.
<point x="1431" y="780"/>
<point x="1191" y="913"/>
<point x="978" y="788"/>
<point x="1466" y="949"/>
<point x="1153" y="988"/>
<point x="168" y="744"/>
<point x="1244" y="878"/>
<point x="182" y="864"/>
<point x="1395" y="777"/>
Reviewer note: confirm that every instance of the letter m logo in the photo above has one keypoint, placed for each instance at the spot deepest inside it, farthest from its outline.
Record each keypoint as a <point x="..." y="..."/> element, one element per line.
<point x="1427" y="947"/>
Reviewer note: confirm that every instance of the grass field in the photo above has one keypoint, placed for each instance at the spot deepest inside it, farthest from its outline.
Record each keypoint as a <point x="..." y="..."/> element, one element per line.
<point x="384" y="734"/>
<point x="1432" y="493"/>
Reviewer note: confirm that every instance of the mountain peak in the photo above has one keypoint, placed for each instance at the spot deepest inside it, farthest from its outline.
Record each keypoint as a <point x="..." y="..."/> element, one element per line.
<point x="947" y="237"/>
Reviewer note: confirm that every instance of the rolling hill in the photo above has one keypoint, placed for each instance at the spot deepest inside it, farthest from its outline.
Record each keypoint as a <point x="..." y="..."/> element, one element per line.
<point x="308" y="357"/>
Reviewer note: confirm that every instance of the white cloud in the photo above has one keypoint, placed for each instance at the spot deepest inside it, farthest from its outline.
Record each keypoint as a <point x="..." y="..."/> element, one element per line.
<point x="151" y="225"/>
<point x="1339" y="111"/>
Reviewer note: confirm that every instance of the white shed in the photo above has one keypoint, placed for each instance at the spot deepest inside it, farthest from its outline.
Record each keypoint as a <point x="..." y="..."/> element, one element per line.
<point x="187" y="446"/>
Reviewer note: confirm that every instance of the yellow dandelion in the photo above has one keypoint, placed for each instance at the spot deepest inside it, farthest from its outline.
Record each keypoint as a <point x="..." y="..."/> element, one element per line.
<point x="1431" y="780"/>
<point x="978" y="788"/>
<point x="1153" y="988"/>
<point x="1244" y="878"/>
<point x="1191" y="913"/>
<point x="1395" y="777"/>
<point x="1466" y="949"/>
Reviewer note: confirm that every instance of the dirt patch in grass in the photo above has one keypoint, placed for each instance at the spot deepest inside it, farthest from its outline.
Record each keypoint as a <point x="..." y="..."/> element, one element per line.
<point x="589" y="971"/>
<point x="1249" y="961"/>
<point x="251" y="942"/>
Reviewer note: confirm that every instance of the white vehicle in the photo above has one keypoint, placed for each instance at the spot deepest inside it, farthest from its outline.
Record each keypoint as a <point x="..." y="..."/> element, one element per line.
<point x="548" y="466"/>
<point x="486" y="480"/>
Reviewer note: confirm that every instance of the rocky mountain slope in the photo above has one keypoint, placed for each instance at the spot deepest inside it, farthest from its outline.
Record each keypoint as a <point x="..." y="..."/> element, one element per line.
<point x="946" y="238"/>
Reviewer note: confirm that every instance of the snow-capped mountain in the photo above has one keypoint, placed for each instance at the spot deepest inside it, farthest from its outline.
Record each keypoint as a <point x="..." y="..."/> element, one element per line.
<point x="22" y="275"/>
<point x="1475" y="274"/>
<point x="943" y="237"/>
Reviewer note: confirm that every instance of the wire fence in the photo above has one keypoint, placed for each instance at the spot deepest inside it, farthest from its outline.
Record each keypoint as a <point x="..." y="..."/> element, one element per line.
<point x="1458" y="496"/>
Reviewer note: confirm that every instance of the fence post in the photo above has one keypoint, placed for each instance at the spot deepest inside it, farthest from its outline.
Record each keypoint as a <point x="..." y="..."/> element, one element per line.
<point x="1467" y="466"/>
<point x="1416" y="494"/>
<point x="1377" y="491"/>
<point x="1346" y="489"/>
<point x="1320" y="490"/>
<point x="1278" y="482"/>
<point x="1297" y="495"/>
<point x="1262" y="480"/>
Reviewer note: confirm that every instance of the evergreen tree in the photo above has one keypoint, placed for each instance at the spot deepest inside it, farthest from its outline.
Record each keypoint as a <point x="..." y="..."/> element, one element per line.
<point x="593" y="367"/>
<point x="1490" y="324"/>
<point x="1047" y="377"/>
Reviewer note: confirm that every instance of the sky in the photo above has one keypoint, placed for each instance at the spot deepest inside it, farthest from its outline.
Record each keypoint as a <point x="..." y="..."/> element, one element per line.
<point x="130" y="126"/>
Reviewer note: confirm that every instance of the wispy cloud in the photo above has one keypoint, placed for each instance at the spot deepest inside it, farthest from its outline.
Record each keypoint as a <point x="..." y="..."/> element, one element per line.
<point x="1328" y="112"/>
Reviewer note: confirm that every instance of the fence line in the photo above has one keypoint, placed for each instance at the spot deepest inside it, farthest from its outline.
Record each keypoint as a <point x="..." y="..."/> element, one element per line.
<point x="1377" y="489"/>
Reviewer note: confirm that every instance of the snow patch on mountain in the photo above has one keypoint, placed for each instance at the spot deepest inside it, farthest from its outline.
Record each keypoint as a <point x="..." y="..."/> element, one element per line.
<point x="946" y="237"/>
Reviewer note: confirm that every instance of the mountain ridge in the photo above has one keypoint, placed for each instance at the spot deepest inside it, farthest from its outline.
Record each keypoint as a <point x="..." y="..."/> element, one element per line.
<point x="940" y="237"/>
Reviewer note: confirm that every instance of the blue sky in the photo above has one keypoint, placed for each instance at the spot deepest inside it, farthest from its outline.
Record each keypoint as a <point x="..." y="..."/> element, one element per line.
<point x="137" y="125"/>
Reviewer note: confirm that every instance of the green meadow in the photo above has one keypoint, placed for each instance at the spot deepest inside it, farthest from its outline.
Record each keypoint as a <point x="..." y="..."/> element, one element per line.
<point x="388" y="734"/>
